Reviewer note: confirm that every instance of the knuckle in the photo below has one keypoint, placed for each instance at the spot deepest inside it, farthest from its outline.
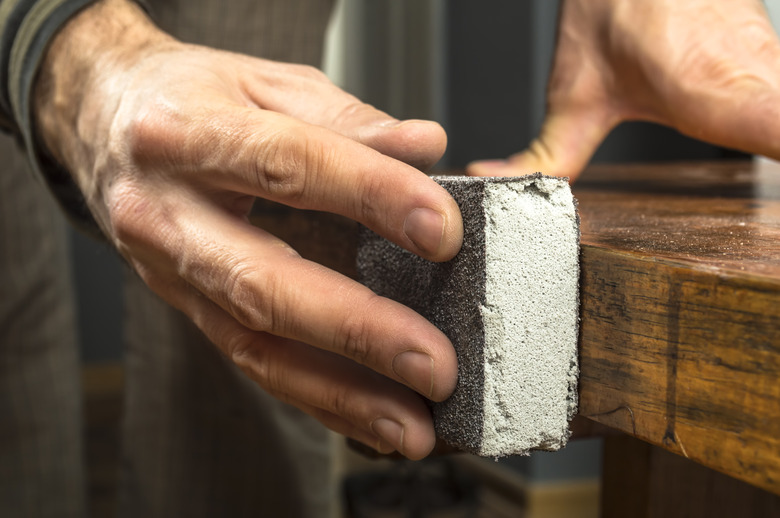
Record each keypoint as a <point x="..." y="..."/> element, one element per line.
<point x="291" y="160"/>
<point x="356" y="336"/>
<point x="255" y="296"/>
<point x="355" y="343"/>
<point x="149" y="133"/>
<point x="371" y="189"/>
<point x="142" y="222"/>
<point x="248" y="302"/>
<point x="125" y="226"/>
<point x="340" y="401"/>
<point x="238" y="347"/>
<point x="253" y="358"/>
<point x="161" y="134"/>
<point x="132" y="214"/>
<point x="281" y="166"/>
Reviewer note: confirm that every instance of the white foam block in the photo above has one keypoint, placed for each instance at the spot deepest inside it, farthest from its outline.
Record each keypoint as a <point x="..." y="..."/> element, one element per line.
<point x="508" y="301"/>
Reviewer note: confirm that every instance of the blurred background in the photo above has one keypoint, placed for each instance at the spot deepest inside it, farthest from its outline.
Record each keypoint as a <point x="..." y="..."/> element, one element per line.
<point x="480" y="69"/>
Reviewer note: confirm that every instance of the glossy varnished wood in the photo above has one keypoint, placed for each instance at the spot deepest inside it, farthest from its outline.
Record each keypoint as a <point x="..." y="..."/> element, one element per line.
<point x="722" y="215"/>
<point x="680" y="334"/>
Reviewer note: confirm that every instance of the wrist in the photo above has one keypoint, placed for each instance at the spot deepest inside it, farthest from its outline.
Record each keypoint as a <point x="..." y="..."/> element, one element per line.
<point x="79" y="82"/>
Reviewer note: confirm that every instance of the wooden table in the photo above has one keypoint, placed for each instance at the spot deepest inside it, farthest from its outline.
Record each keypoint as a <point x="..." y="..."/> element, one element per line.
<point x="680" y="337"/>
<point x="680" y="293"/>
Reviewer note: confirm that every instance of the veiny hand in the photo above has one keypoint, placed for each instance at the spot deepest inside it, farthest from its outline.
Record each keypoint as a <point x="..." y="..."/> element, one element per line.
<point x="709" y="69"/>
<point x="171" y="143"/>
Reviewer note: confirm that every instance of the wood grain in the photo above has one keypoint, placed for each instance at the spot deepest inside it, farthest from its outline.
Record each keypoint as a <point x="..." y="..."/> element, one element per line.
<point x="680" y="335"/>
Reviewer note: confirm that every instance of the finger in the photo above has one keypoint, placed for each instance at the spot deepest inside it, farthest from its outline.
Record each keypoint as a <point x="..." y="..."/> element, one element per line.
<point x="273" y="156"/>
<point x="419" y="143"/>
<point x="567" y="140"/>
<point x="225" y="333"/>
<point x="748" y="119"/>
<point x="721" y="84"/>
<point x="347" y="429"/>
<point x="441" y="448"/>
<point x="264" y="285"/>
<point x="355" y="402"/>
<point x="306" y="94"/>
<point x="347" y="397"/>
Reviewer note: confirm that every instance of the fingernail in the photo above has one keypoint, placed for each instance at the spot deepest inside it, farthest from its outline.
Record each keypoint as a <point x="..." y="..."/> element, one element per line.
<point x="425" y="228"/>
<point x="390" y="431"/>
<point x="416" y="369"/>
<point x="394" y="123"/>
<point x="383" y="447"/>
<point x="390" y="123"/>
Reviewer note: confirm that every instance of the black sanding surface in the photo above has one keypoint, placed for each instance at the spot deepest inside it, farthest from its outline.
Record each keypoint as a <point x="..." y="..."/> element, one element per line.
<point x="449" y="295"/>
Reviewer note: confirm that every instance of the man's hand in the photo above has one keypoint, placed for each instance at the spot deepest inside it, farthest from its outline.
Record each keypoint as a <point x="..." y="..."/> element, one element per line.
<point x="171" y="143"/>
<point x="709" y="69"/>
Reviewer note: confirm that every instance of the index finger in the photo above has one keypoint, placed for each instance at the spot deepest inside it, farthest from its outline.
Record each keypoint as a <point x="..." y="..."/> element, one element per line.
<point x="273" y="156"/>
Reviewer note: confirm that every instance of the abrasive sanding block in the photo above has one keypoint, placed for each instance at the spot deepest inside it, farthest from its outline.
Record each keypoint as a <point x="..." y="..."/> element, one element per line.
<point x="508" y="301"/>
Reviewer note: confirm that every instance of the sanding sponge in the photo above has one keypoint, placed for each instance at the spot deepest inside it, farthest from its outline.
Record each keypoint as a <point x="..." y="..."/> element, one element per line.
<point x="508" y="302"/>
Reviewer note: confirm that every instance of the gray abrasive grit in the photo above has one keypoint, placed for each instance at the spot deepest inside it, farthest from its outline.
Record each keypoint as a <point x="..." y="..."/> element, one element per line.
<point x="508" y="302"/>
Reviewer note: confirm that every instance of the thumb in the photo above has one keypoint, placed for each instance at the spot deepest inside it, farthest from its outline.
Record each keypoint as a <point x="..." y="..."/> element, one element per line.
<point x="567" y="140"/>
